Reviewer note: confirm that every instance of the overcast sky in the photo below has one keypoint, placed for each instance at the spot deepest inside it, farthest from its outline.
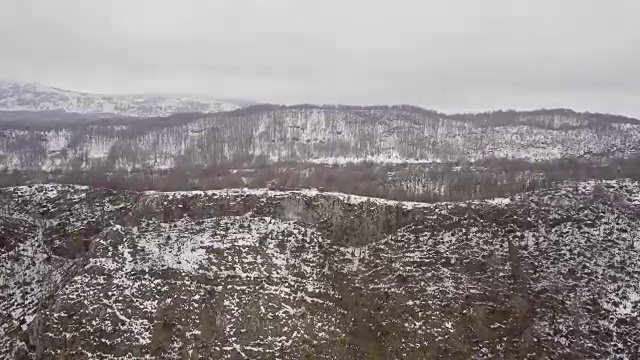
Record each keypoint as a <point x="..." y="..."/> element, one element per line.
<point x="451" y="55"/>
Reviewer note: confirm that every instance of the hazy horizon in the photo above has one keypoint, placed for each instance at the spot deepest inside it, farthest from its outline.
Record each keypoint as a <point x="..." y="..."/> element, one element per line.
<point x="258" y="102"/>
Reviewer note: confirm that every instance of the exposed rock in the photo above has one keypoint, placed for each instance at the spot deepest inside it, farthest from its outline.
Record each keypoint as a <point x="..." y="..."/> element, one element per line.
<point x="318" y="275"/>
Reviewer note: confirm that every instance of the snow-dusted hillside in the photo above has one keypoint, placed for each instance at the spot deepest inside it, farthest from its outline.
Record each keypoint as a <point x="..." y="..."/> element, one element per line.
<point x="320" y="135"/>
<point x="34" y="97"/>
<point x="97" y="274"/>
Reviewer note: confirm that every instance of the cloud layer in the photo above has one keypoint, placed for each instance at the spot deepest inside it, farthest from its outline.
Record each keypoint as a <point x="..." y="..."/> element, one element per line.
<point x="446" y="54"/>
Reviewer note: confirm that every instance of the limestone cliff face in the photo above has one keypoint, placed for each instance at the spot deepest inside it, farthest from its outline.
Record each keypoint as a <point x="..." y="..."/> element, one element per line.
<point x="94" y="273"/>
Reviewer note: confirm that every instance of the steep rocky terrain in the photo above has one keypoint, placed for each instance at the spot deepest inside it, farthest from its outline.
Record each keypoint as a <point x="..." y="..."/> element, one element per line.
<point x="34" y="97"/>
<point x="266" y="134"/>
<point x="88" y="273"/>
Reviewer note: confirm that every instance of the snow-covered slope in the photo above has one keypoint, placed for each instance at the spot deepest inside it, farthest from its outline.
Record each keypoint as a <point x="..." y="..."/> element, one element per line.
<point x="96" y="274"/>
<point x="320" y="135"/>
<point x="34" y="97"/>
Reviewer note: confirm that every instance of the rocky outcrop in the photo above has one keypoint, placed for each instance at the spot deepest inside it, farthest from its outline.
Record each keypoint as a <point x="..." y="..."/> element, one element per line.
<point x="316" y="275"/>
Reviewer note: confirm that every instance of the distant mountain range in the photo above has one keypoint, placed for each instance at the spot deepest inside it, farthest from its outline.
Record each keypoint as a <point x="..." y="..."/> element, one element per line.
<point x="15" y="96"/>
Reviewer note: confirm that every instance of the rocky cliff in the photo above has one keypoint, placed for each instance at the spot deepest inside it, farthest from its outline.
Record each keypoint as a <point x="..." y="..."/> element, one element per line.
<point x="99" y="274"/>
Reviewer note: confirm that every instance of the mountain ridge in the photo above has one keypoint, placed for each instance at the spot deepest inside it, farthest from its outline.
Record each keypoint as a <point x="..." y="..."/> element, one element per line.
<point x="316" y="134"/>
<point x="96" y="273"/>
<point x="16" y="96"/>
<point x="6" y="85"/>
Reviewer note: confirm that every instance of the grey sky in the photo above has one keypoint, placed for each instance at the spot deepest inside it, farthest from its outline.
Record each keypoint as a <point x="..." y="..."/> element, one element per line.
<point x="447" y="54"/>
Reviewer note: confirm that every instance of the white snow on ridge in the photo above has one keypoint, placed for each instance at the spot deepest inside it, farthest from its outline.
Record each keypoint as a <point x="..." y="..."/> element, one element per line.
<point x="347" y="198"/>
<point x="36" y="97"/>
<point x="393" y="158"/>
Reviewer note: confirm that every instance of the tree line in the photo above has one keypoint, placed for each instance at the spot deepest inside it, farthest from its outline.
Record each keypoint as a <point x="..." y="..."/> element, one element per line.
<point x="409" y="182"/>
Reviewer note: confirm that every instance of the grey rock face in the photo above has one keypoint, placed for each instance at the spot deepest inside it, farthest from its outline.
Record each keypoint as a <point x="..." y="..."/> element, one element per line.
<point x="92" y="274"/>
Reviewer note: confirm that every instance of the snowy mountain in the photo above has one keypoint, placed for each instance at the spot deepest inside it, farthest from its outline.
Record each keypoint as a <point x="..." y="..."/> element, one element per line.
<point x="34" y="97"/>
<point x="99" y="274"/>
<point x="311" y="134"/>
<point x="528" y="266"/>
